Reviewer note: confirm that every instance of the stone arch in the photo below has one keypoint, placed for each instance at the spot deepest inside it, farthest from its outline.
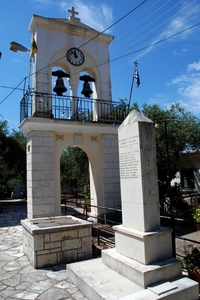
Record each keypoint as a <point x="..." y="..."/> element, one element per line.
<point x="91" y="145"/>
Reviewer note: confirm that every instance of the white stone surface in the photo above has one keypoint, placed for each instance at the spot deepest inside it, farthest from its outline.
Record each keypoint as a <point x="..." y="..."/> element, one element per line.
<point x="98" y="281"/>
<point x="65" y="34"/>
<point x="140" y="274"/>
<point x="144" y="247"/>
<point x="138" y="173"/>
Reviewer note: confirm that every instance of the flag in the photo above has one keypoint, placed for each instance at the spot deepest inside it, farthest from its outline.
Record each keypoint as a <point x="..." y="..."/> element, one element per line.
<point x="34" y="47"/>
<point x="136" y="76"/>
<point x="0" y="54"/>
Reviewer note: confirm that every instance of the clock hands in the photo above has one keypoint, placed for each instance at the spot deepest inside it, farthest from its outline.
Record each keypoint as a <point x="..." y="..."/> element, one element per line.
<point x="75" y="55"/>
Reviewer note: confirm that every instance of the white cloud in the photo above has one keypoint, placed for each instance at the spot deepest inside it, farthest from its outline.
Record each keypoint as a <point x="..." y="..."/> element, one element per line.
<point x="189" y="87"/>
<point x="183" y="19"/>
<point x="44" y="2"/>
<point x="194" y="66"/>
<point x="96" y="16"/>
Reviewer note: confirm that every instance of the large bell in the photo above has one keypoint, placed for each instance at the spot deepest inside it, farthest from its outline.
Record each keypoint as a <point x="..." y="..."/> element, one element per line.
<point x="59" y="88"/>
<point x="86" y="91"/>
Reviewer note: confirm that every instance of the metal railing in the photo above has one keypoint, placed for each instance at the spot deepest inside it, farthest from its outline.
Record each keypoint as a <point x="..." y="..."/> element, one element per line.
<point x="102" y="227"/>
<point x="51" y="106"/>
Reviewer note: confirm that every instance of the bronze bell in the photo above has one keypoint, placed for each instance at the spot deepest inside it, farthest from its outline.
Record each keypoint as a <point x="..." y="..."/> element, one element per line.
<point x="87" y="91"/>
<point x="59" y="88"/>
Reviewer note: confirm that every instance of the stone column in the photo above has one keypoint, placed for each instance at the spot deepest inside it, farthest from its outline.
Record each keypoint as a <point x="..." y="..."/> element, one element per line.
<point x="140" y="237"/>
<point x="73" y="84"/>
<point x="40" y="174"/>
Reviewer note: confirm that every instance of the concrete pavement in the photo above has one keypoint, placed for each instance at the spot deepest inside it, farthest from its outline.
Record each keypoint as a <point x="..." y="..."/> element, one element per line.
<point x="18" y="279"/>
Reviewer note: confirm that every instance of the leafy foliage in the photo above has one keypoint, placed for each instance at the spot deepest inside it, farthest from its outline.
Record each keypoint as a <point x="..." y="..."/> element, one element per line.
<point x="196" y="214"/>
<point x="191" y="260"/>
<point x="176" y="131"/>
<point x="12" y="160"/>
<point x="74" y="169"/>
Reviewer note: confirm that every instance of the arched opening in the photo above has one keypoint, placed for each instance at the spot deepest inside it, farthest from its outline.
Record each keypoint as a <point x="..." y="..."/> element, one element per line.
<point x="87" y="87"/>
<point x="74" y="178"/>
<point x="59" y="81"/>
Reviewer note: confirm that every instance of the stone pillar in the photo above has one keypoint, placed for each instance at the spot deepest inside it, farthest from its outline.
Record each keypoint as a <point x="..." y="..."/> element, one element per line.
<point x="40" y="174"/>
<point x="140" y="231"/>
<point x="111" y="170"/>
<point x="73" y="84"/>
<point x="138" y="173"/>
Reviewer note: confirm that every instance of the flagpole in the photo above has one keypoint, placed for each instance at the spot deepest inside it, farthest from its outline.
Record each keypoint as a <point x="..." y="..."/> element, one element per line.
<point x="131" y="91"/>
<point x="29" y="76"/>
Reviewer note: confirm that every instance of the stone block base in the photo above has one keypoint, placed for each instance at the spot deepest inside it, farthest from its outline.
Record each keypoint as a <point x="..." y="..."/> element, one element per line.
<point x="61" y="240"/>
<point x="144" y="247"/>
<point x="142" y="275"/>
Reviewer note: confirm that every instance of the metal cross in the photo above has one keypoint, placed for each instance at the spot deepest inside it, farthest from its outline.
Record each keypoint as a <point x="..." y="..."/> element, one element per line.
<point x="73" y="12"/>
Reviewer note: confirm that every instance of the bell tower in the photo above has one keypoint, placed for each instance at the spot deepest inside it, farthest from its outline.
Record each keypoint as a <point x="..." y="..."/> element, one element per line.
<point x="74" y="47"/>
<point x="70" y="54"/>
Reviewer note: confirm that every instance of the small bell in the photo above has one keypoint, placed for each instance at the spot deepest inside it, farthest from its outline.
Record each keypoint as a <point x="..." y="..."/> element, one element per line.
<point x="86" y="91"/>
<point x="59" y="88"/>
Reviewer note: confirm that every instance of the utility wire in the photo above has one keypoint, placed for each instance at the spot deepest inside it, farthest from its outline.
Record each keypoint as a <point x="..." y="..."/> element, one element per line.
<point x="143" y="20"/>
<point x="93" y="37"/>
<point x="11" y="88"/>
<point x="114" y="23"/>
<point x="135" y="26"/>
<point x="143" y="48"/>
<point x="138" y="50"/>
<point x="137" y="42"/>
<point x="154" y="20"/>
<point x="12" y="92"/>
<point x="133" y="20"/>
<point x="158" y="42"/>
<point x="80" y="46"/>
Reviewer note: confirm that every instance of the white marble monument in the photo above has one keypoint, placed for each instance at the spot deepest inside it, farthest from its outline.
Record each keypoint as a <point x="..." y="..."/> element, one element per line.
<point x="141" y="265"/>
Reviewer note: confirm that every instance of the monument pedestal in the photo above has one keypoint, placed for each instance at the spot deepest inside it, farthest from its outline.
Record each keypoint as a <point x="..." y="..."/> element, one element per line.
<point x="142" y="275"/>
<point x="144" y="247"/>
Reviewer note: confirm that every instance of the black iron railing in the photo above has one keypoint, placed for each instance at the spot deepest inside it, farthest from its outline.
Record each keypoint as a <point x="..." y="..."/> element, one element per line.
<point x="69" y="108"/>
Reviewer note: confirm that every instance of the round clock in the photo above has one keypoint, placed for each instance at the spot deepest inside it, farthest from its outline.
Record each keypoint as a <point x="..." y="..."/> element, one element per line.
<point x="75" y="56"/>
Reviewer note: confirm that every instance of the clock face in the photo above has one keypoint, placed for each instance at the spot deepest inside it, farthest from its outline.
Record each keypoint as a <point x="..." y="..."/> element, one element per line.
<point x="75" y="57"/>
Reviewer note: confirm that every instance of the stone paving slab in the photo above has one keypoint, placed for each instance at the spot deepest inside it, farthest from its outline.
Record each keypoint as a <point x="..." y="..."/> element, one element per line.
<point x="18" y="279"/>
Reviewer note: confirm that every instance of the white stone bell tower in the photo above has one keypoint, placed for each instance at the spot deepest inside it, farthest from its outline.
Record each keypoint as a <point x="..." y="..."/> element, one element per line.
<point x="76" y="48"/>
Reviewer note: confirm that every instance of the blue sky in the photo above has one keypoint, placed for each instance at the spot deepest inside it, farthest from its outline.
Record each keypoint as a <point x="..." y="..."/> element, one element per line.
<point x="162" y="35"/>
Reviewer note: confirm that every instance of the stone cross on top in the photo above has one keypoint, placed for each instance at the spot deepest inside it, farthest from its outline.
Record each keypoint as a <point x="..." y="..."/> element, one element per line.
<point x="73" y="12"/>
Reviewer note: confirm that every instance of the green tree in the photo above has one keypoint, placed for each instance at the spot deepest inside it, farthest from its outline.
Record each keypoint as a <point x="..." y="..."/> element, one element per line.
<point x="12" y="160"/>
<point x="74" y="169"/>
<point x="176" y="131"/>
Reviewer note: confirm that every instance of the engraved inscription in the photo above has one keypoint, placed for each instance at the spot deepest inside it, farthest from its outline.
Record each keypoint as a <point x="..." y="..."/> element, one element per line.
<point x="129" y="157"/>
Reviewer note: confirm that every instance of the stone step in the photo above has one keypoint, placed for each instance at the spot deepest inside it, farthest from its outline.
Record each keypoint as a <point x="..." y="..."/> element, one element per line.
<point x="97" y="281"/>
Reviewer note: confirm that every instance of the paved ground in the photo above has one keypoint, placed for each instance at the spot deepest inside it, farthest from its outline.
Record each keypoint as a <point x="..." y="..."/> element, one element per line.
<point x="19" y="280"/>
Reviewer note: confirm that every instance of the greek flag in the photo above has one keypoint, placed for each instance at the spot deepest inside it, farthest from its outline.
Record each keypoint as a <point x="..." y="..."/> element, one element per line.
<point x="136" y="76"/>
